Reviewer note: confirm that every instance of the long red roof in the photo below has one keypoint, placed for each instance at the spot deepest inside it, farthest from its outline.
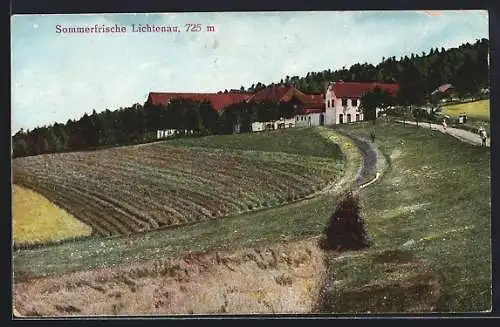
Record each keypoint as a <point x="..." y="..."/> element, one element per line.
<point x="274" y="93"/>
<point x="284" y="93"/>
<point x="356" y="90"/>
<point x="219" y="100"/>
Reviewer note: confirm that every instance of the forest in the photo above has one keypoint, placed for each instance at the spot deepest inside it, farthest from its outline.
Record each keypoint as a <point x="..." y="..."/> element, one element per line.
<point x="465" y="67"/>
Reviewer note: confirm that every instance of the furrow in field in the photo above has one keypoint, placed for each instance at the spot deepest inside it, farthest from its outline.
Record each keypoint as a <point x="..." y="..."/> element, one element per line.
<point x="75" y="168"/>
<point x="115" y="179"/>
<point x="154" y="188"/>
<point x="191" y="198"/>
<point x="226" y="195"/>
<point x="169" y="178"/>
<point x="211" y="175"/>
<point x="143" y="188"/>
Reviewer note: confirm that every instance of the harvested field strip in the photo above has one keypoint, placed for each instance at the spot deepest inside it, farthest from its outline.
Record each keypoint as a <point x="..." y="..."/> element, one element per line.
<point x="36" y="220"/>
<point x="477" y="109"/>
<point x="91" y="201"/>
<point x="282" y="278"/>
<point x="73" y="206"/>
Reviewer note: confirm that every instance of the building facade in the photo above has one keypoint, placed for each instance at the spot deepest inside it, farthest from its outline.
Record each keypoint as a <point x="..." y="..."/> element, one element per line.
<point x="343" y="100"/>
<point x="340" y="104"/>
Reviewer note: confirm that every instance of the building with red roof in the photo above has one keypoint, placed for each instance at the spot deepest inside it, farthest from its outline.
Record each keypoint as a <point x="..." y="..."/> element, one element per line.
<point x="341" y="103"/>
<point x="343" y="100"/>
<point x="281" y="93"/>
<point x="312" y="106"/>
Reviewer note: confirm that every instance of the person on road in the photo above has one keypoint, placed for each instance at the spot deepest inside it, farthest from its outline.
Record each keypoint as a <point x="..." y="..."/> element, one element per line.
<point x="483" y="135"/>
<point x="444" y="124"/>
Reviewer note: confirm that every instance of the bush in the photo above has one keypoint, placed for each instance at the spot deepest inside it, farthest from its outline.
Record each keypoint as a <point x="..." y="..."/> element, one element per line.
<point x="346" y="229"/>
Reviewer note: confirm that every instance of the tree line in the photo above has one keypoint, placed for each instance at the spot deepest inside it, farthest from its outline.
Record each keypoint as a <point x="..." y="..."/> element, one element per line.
<point x="139" y="124"/>
<point x="466" y="67"/>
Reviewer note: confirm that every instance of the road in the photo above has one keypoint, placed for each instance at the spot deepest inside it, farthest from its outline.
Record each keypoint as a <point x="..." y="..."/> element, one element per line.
<point x="462" y="135"/>
<point x="369" y="155"/>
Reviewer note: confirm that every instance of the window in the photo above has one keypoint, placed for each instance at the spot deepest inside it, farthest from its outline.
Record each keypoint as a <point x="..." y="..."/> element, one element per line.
<point x="344" y="102"/>
<point x="329" y="103"/>
<point x="348" y="118"/>
<point x="357" y="117"/>
<point x="341" y="118"/>
<point x="354" y="102"/>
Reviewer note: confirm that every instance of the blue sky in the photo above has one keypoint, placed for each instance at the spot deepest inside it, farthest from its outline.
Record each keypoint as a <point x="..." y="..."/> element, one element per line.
<point x="56" y="77"/>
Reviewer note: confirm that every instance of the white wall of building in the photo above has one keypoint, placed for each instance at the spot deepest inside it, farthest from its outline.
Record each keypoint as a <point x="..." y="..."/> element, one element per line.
<point x="308" y="120"/>
<point x="338" y="112"/>
<point x="258" y="126"/>
<point x="273" y="125"/>
<point x="166" y="133"/>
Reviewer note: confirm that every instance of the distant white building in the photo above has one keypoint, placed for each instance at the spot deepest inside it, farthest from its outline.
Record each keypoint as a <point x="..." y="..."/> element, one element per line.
<point x="273" y="125"/>
<point x="258" y="126"/>
<point x="167" y="133"/>
<point x="310" y="117"/>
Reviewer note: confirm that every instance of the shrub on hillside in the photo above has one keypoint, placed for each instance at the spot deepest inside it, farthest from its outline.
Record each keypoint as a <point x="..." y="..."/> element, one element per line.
<point x="346" y="229"/>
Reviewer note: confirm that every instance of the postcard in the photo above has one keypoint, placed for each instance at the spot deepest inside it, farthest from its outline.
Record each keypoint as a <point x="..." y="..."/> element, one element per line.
<point x="241" y="163"/>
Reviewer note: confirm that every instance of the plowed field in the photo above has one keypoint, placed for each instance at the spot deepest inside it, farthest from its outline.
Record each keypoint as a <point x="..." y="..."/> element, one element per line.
<point x="139" y="188"/>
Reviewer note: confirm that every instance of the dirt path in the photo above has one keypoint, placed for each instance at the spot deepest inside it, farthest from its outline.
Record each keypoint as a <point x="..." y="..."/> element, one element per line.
<point x="370" y="159"/>
<point x="462" y="135"/>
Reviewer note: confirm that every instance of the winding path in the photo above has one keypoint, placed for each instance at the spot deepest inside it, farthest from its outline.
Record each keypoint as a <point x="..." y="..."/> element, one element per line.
<point x="462" y="135"/>
<point x="367" y="170"/>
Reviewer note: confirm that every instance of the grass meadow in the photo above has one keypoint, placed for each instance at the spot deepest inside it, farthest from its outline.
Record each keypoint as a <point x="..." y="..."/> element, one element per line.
<point x="430" y="216"/>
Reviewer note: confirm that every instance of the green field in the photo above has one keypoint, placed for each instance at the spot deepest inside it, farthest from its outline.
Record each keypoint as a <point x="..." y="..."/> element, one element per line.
<point x="478" y="110"/>
<point x="293" y="141"/>
<point x="436" y="195"/>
